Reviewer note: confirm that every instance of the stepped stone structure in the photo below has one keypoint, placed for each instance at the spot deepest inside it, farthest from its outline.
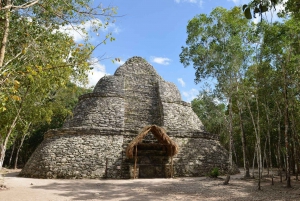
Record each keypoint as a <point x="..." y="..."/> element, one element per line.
<point x="93" y="142"/>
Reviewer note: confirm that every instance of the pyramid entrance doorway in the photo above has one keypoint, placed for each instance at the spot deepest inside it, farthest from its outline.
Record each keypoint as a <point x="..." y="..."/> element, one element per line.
<point x="151" y="154"/>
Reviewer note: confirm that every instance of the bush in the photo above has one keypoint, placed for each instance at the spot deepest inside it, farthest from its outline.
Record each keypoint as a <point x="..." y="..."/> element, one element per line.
<point x="214" y="172"/>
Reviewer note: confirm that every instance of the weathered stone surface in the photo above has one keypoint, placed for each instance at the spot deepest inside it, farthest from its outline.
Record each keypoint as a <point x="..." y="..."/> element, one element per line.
<point x="168" y="92"/>
<point x="93" y="141"/>
<point x="98" y="111"/>
<point x="179" y="116"/>
<point x="110" y="86"/>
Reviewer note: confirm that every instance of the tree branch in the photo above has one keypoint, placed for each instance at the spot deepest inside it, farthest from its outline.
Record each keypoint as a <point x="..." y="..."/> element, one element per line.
<point x="25" y="5"/>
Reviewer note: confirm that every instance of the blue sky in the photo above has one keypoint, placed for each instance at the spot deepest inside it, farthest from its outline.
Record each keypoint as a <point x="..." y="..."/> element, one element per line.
<point x="156" y="31"/>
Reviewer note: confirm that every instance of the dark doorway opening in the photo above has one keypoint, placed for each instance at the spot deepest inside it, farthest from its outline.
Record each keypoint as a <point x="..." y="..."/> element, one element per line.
<point x="153" y="160"/>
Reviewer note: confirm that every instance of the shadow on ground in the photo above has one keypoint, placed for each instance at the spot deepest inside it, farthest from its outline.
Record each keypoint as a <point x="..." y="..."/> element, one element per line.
<point x="196" y="188"/>
<point x="151" y="189"/>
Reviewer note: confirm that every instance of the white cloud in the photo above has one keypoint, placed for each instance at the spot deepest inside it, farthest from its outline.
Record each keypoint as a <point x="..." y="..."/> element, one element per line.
<point x="80" y="32"/>
<point x="96" y="73"/>
<point x="161" y="60"/>
<point x="180" y="80"/>
<point x="120" y="62"/>
<point x="200" y="2"/>
<point x="190" y="95"/>
<point x="190" y="1"/>
<point x="239" y="2"/>
<point x="116" y="29"/>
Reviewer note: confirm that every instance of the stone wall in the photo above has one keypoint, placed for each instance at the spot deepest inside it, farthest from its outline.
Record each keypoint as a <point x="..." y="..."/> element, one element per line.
<point x="110" y="86"/>
<point x="168" y="92"/>
<point x="100" y="153"/>
<point x="94" y="110"/>
<point x="180" y="116"/>
<point x="198" y="156"/>
<point x="77" y="153"/>
<point x="177" y="114"/>
<point x="141" y="102"/>
<point x="142" y="106"/>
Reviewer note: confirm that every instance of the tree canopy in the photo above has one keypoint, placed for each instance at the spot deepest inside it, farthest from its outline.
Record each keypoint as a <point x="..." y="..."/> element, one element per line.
<point x="256" y="67"/>
<point x="38" y="58"/>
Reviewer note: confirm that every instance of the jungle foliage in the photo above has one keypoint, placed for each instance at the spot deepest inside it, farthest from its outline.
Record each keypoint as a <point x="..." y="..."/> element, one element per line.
<point x="255" y="106"/>
<point x="39" y="61"/>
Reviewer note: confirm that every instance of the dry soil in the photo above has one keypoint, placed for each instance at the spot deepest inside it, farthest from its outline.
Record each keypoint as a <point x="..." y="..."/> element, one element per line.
<point x="14" y="188"/>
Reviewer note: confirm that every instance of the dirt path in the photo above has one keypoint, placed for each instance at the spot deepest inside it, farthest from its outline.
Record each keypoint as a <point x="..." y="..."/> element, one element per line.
<point x="197" y="188"/>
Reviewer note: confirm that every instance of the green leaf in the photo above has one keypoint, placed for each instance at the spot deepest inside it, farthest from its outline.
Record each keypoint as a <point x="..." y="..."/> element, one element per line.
<point x="248" y="14"/>
<point x="274" y="2"/>
<point x="263" y="8"/>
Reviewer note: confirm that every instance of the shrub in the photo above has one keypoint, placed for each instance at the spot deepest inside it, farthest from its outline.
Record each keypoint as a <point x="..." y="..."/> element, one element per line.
<point x="214" y="172"/>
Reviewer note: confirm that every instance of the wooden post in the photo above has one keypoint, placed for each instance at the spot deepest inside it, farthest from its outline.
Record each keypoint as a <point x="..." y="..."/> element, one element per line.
<point x="135" y="160"/>
<point x="106" y="168"/>
<point x="122" y="166"/>
<point x="226" y="180"/>
<point x="171" y="162"/>
<point x="172" y="167"/>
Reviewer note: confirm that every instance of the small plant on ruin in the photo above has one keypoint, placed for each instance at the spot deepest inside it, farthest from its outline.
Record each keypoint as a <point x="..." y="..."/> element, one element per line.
<point x="214" y="172"/>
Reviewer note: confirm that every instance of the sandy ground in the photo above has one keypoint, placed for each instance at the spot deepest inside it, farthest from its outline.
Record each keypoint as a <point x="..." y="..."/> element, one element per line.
<point x="15" y="188"/>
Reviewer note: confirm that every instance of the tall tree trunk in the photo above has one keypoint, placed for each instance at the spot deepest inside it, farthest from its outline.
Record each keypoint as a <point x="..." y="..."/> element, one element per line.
<point x="284" y="163"/>
<point x="24" y="134"/>
<point x="279" y="165"/>
<point x="12" y="126"/>
<point x="4" y="143"/>
<point x="269" y="141"/>
<point x="258" y="139"/>
<point x="234" y="152"/>
<point x="253" y="162"/>
<point x="286" y="128"/>
<point x="297" y="165"/>
<point x="230" y="136"/>
<point x="259" y="168"/>
<point x="244" y="144"/>
<point x="257" y="135"/>
<point x="18" y="150"/>
<point x="265" y="158"/>
<point x="259" y="163"/>
<point x="5" y="35"/>
<point x="279" y="154"/>
<point x="12" y="153"/>
<point x="295" y="143"/>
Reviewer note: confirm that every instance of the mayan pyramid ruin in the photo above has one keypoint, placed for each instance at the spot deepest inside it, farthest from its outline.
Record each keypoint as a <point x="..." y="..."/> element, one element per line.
<point x="133" y="125"/>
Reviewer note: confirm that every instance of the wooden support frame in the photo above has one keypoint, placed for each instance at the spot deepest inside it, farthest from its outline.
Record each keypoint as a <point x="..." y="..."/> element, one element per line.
<point x="135" y="161"/>
<point x="171" y="171"/>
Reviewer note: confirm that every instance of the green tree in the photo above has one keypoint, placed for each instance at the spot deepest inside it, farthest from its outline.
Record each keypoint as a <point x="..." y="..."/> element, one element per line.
<point x="211" y="113"/>
<point x="258" y="7"/>
<point x="49" y="115"/>
<point x="281" y="50"/>
<point x="37" y="57"/>
<point x="218" y="46"/>
<point x="23" y="24"/>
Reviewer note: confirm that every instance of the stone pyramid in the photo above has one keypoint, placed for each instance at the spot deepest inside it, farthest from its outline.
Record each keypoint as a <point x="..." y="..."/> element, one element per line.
<point x="93" y="141"/>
